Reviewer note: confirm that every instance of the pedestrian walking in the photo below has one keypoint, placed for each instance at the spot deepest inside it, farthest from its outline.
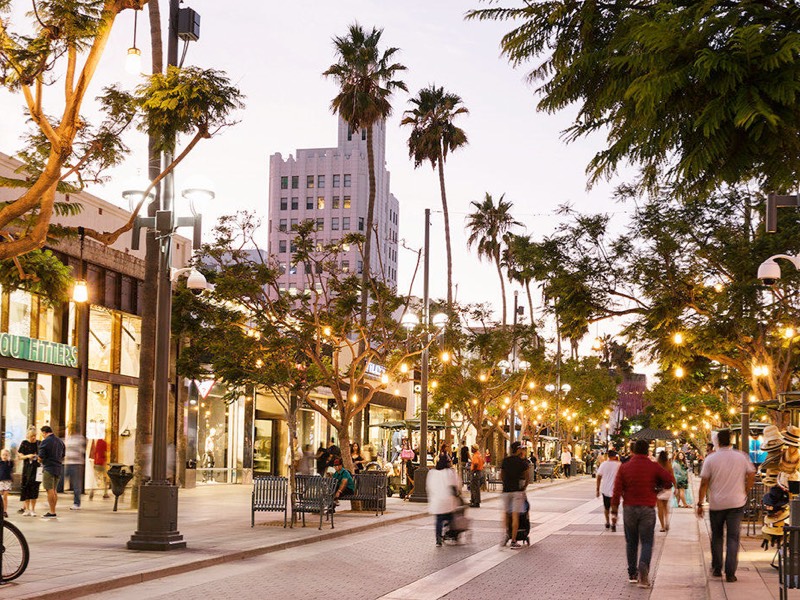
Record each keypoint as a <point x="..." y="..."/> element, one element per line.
<point x="635" y="485"/>
<point x="322" y="460"/>
<point x="663" y="496"/>
<point x="476" y="477"/>
<point x="464" y="462"/>
<point x="74" y="461"/>
<point x="29" y="487"/>
<point x="443" y="497"/>
<point x="51" y="455"/>
<point x="727" y="476"/>
<point x="6" y="468"/>
<point x="606" y="474"/>
<point x="681" y="474"/>
<point x="514" y="475"/>
<point x="566" y="461"/>
<point x="99" y="455"/>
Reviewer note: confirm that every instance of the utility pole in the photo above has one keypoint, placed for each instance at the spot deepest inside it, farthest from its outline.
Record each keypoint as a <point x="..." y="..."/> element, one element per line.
<point x="420" y="492"/>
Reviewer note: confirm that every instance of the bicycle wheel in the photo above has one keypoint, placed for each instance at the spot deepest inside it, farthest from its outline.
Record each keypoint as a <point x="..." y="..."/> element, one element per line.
<point x="14" y="553"/>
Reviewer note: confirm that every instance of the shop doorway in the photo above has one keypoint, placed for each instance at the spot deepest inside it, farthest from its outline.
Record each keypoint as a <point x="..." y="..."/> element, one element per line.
<point x="16" y="408"/>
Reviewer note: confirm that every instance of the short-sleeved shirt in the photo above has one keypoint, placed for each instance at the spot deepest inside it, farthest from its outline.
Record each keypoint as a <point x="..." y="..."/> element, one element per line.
<point x="513" y="470"/>
<point x="607" y="471"/>
<point x="726" y="470"/>
<point x="477" y="461"/>
<point x="100" y="449"/>
<point x="344" y="474"/>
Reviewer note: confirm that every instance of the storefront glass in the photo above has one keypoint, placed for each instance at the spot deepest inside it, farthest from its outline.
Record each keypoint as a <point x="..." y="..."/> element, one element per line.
<point x="98" y="424"/>
<point x="130" y="341"/>
<point x="212" y="438"/>
<point x="19" y="313"/>
<point x="16" y="401"/>
<point x="127" y="424"/>
<point x="44" y="399"/>
<point x="381" y="439"/>
<point x="100" y="333"/>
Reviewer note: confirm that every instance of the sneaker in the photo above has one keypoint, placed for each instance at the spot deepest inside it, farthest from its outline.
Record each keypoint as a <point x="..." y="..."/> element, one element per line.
<point x="608" y="525"/>
<point x="439" y="543"/>
<point x="613" y="529"/>
<point x="515" y="545"/>
<point x="31" y="514"/>
<point x="106" y="496"/>
<point x="644" y="577"/>
<point x="49" y="515"/>
<point x="730" y="578"/>
<point x="633" y="580"/>
<point x="21" y="511"/>
<point x="716" y="572"/>
<point x="74" y="507"/>
<point x="5" y="515"/>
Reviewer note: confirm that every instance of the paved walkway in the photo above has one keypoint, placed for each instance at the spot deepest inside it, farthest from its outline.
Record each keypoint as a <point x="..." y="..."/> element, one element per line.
<point x="391" y="557"/>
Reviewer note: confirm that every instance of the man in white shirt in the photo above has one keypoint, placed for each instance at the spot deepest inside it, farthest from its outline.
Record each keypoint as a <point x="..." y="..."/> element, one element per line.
<point x="566" y="461"/>
<point x="727" y="476"/>
<point x="606" y="473"/>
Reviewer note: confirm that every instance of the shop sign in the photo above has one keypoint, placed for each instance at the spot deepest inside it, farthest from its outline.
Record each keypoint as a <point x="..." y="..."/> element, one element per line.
<point x="375" y="370"/>
<point x="25" y="348"/>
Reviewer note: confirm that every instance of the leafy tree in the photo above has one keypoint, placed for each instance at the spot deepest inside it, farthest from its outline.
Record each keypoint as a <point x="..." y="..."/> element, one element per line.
<point x="697" y="94"/>
<point x="433" y="136"/>
<point x="293" y="343"/>
<point x="366" y="78"/>
<point x="487" y="227"/>
<point x="64" y="151"/>
<point x="519" y="257"/>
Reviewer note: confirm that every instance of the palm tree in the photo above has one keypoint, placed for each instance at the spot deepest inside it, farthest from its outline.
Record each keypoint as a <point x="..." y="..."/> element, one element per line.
<point x="487" y="228"/>
<point x="519" y="258"/>
<point x="433" y="135"/>
<point x="366" y="78"/>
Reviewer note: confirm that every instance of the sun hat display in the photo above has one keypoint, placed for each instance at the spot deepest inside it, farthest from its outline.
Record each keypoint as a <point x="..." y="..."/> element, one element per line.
<point x="775" y="499"/>
<point x="771" y="438"/>
<point x="791" y="437"/>
<point x="770" y="530"/>
<point x="778" y="518"/>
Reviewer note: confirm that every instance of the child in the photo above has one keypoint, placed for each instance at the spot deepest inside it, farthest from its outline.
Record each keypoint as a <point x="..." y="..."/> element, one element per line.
<point x="6" y="467"/>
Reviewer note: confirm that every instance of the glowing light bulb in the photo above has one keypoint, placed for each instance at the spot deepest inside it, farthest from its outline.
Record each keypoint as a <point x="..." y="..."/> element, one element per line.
<point x="80" y="293"/>
<point x="384" y="379"/>
<point x="133" y="61"/>
<point x="326" y="331"/>
<point x="403" y="368"/>
<point x="677" y="338"/>
<point x="445" y="357"/>
<point x="679" y="372"/>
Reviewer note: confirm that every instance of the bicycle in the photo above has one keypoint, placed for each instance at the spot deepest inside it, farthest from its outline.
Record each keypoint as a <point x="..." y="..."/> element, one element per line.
<point x="14" y="551"/>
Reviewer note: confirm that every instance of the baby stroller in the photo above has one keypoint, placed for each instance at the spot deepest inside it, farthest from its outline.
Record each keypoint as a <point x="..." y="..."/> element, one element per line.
<point x="458" y="529"/>
<point x="524" y="528"/>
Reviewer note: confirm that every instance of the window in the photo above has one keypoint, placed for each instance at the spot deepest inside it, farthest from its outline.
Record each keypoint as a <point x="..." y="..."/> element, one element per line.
<point x="346" y="223"/>
<point x="346" y="266"/>
<point x="335" y="223"/>
<point x="337" y="179"/>
<point x="347" y="202"/>
<point x="293" y="223"/>
<point x="310" y="181"/>
<point x="284" y="203"/>
<point x="293" y="247"/>
<point x="283" y="224"/>
<point x="309" y="202"/>
<point x="281" y="246"/>
<point x="320" y="202"/>
<point x="319" y="268"/>
<point x="292" y="269"/>
<point x="360" y="267"/>
<point x="335" y="202"/>
<point x="347" y="180"/>
<point x="294" y="203"/>
<point x="320" y="245"/>
<point x="320" y="181"/>
<point x="284" y="182"/>
<point x="282" y="268"/>
<point x="295" y="182"/>
<point x="361" y="223"/>
<point x="363" y="134"/>
<point x="320" y="224"/>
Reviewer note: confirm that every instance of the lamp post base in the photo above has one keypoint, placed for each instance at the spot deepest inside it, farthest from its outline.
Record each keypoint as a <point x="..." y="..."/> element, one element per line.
<point x="158" y="519"/>
<point x="420" y="493"/>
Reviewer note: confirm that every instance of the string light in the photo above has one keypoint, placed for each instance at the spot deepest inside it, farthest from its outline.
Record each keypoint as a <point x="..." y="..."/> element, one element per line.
<point x="677" y="338"/>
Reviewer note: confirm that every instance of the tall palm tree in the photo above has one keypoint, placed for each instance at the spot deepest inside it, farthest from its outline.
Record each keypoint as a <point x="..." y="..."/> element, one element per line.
<point x="366" y="78"/>
<point x="519" y="258"/>
<point x="433" y="135"/>
<point x="487" y="228"/>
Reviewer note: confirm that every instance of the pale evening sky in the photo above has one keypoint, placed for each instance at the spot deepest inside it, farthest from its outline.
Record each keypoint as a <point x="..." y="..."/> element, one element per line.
<point x="276" y="51"/>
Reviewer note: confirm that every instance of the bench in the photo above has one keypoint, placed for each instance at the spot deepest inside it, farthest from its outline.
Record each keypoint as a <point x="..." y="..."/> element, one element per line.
<point x="370" y="488"/>
<point x="314" y="494"/>
<point x="269" y="495"/>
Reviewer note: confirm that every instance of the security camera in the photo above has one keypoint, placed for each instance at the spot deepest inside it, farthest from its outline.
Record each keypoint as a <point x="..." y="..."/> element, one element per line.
<point x="769" y="272"/>
<point x="196" y="282"/>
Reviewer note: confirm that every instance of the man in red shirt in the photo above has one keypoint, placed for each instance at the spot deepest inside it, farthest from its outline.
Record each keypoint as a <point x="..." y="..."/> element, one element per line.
<point x="636" y="484"/>
<point x="99" y="454"/>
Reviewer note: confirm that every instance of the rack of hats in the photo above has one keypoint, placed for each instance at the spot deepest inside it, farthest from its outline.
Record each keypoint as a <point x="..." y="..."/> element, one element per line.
<point x="781" y="479"/>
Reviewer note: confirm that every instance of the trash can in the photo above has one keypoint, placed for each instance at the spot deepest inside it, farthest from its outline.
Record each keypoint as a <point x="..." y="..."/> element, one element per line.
<point x="119" y="476"/>
<point x="190" y="475"/>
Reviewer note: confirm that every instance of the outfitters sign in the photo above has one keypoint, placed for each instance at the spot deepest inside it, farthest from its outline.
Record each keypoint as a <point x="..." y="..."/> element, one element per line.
<point x="25" y="348"/>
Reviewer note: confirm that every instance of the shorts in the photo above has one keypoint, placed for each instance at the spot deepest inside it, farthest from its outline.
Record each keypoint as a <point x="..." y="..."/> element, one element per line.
<point x="49" y="481"/>
<point x="5" y="486"/>
<point x="606" y="502"/>
<point x="514" y="502"/>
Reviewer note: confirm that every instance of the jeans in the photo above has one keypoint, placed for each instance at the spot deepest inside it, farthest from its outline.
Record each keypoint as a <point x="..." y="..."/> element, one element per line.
<point x="475" y="488"/>
<point x="440" y="521"/>
<point x="720" y="519"/>
<point x="640" y="525"/>
<point x="75" y="475"/>
<point x="566" y="469"/>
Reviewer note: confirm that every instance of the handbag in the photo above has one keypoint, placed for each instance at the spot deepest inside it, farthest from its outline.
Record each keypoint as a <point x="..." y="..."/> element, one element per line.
<point x="664" y="494"/>
<point x="39" y="473"/>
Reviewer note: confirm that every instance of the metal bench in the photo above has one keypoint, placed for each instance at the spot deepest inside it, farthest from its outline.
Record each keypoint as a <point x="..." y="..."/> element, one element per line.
<point x="314" y="494"/>
<point x="370" y="489"/>
<point x="754" y="509"/>
<point x="269" y="495"/>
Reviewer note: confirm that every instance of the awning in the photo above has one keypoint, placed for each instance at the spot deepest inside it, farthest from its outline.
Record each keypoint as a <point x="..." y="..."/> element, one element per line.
<point x="412" y="424"/>
<point x="653" y="434"/>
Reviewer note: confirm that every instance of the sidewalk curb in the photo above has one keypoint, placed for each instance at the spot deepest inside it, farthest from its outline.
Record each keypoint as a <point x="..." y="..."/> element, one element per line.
<point x="81" y="590"/>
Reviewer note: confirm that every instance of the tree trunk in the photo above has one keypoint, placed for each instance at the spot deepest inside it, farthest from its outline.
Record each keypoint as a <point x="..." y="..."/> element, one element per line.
<point x="291" y="423"/>
<point x="365" y="272"/>
<point x="502" y="287"/>
<point x="144" y="404"/>
<point x="344" y="445"/>
<point x="530" y="299"/>
<point x="446" y="231"/>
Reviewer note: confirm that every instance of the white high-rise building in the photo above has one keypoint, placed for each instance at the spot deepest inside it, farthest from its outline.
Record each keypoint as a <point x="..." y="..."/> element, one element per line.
<point x="331" y="187"/>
